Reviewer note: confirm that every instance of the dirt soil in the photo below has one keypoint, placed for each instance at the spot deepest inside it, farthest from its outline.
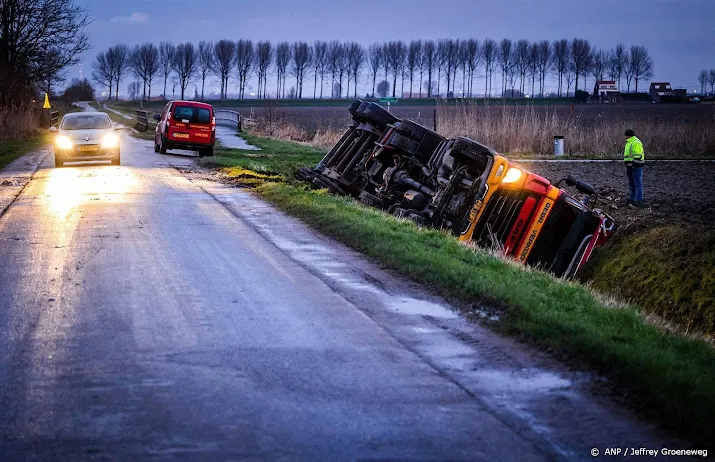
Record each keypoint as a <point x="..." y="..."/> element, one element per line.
<point x="674" y="191"/>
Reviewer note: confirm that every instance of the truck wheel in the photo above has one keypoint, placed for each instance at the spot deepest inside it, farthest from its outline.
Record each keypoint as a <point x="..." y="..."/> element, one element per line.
<point x="404" y="144"/>
<point x="468" y="149"/>
<point x="414" y="130"/>
<point x="374" y="113"/>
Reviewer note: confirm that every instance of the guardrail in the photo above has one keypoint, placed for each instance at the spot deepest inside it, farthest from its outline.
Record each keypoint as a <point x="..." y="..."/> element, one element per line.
<point x="54" y="116"/>
<point x="230" y="118"/>
<point x="142" y="121"/>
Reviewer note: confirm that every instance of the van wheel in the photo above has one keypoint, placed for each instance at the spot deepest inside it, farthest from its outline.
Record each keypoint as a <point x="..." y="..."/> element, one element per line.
<point x="156" y="147"/>
<point x="117" y="160"/>
<point x="209" y="152"/>
<point x="202" y="153"/>
<point x="58" y="162"/>
<point x="162" y="147"/>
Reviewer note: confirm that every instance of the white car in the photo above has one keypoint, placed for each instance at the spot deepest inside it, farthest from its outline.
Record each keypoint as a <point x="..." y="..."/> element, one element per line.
<point x="84" y="136"/>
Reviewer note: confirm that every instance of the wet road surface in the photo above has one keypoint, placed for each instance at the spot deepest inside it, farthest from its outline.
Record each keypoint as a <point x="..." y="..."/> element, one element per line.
<point x="146" y="314"/>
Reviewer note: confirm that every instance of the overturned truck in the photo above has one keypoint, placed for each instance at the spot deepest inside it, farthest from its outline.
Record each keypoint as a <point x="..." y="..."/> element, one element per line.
<point x="464" y="187"/>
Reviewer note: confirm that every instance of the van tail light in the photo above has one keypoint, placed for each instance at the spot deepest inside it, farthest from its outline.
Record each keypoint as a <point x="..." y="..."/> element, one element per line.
<point x="213" y="124"/>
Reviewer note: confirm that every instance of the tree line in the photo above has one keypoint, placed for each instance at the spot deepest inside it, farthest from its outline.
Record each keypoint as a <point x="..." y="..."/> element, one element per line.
<point x="418" y="66"/>
<point x="38" y="40"/>
<point x="706" y="78"/>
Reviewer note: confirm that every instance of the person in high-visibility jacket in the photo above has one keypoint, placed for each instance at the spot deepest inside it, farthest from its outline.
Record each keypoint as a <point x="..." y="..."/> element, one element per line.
<point x="634" y="158"/>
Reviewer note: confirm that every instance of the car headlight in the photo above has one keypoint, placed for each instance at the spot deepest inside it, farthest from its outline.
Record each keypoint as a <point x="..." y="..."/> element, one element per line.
<point x="512" y="175"/>
<point x="63" y="142"/>
<point x="110" y="141"/>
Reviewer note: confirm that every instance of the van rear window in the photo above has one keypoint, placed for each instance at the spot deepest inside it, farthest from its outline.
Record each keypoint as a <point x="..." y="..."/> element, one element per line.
<point x="195" y="115"/>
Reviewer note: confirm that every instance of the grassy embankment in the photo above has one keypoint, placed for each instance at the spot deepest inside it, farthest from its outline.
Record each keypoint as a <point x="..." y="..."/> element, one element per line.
<point x="668" y="376"/>
<point x="24" y="134"/>
<point x="670" y="269"/>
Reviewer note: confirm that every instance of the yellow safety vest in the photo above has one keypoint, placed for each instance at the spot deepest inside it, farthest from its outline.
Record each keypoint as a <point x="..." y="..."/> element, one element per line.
<point x="634" y="151"/>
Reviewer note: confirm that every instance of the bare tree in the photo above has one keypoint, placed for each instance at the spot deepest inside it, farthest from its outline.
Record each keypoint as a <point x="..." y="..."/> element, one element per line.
<point x="166" y="61"/>
<point x="642" y="64"/>
<point x="506" y="61"/>
<point x="320" y="51"/>
<point x="521" y="61"/>
<point x="375" y="58"/>
<point x="185" y="64"/>
<point x="396" y="57"/>
<point x="302" y="60"/>
<point x="711" y="80"/>
<point x="145" y="64"/>
<point x="543" y="64"/>
<point x="429" y="53"/>
<point x="703" y="80"/>
<point x="569" y="76"/>
<point x="224" y="60"/>
<point x="533" y="65"/>
<point x="342" y="69"/>
<point x="580" y="58"/>
<point x="561" y="59"/>
<point x="356" y="60"/>
<point x="206" y="59"/>
<point x="245" y="62"/>
<point x="628" y="73"/>
<point x="448" y="50"/>
<point x="120" y="62"/>
<point x="283" y="58"/>
<point x="264" y="58"/>
<point x="473" y="56"/>
<point x="618" y="61"/>
<point x="335" y="58"/>
<point x="413" y="58"/>
<point x="599" y="64"/>
<point x="103" y="71"/>
<point x="421" y="62"/>
<point x="38" y="40"/>
<point x="489" y="50"/>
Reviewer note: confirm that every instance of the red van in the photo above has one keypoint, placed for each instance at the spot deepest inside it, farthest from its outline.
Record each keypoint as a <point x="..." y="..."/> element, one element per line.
<point x="186" y="125"/>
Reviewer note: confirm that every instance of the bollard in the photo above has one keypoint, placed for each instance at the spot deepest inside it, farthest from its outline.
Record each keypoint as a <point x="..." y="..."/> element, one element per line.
<point x="558" y="145"/>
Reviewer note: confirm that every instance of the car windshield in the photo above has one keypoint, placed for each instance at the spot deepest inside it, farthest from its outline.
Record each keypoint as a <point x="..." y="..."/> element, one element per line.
<point x="195" y="115"/>
<point x="86" y="122"/>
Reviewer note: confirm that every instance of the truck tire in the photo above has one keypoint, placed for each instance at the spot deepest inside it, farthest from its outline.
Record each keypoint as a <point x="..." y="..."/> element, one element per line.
<point x="374" y="113"/>
<point x="354" y="108"/>
<point x="413" y="130"/>
<point x="468" y="149"/>
<point x="404" y="144"/>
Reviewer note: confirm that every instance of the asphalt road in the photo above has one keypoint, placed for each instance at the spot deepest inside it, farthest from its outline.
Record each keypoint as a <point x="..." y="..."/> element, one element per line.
<point x="149" y="314"/>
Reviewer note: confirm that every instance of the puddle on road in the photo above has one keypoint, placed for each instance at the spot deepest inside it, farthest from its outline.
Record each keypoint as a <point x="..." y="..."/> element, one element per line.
<point x="405" y="305"/>
<point x="525" y="381"/>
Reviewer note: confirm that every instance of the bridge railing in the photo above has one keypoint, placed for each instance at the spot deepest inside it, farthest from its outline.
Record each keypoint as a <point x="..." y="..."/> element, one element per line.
<point x="231" y="118"/>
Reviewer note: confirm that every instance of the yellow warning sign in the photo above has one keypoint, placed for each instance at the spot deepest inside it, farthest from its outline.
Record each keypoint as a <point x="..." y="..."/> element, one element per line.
<point x="47" y="103"/>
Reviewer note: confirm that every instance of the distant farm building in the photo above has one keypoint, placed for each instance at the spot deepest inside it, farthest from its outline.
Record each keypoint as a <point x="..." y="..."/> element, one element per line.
<point x="660" y="91"/>
<point x="606" y="91"/>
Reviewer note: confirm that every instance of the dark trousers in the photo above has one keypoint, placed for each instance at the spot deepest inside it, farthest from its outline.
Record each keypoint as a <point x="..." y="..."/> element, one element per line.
<point x="635" y="183"/>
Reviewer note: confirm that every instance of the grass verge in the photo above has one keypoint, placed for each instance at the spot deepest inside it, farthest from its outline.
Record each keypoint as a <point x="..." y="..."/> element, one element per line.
<point x="11" y="150"/>
<point x="669" y="269"/>
<point x="668" y="377"/>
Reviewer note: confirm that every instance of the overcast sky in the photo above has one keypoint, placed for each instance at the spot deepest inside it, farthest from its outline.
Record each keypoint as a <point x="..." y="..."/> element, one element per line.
<point x="680" y="35"/>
